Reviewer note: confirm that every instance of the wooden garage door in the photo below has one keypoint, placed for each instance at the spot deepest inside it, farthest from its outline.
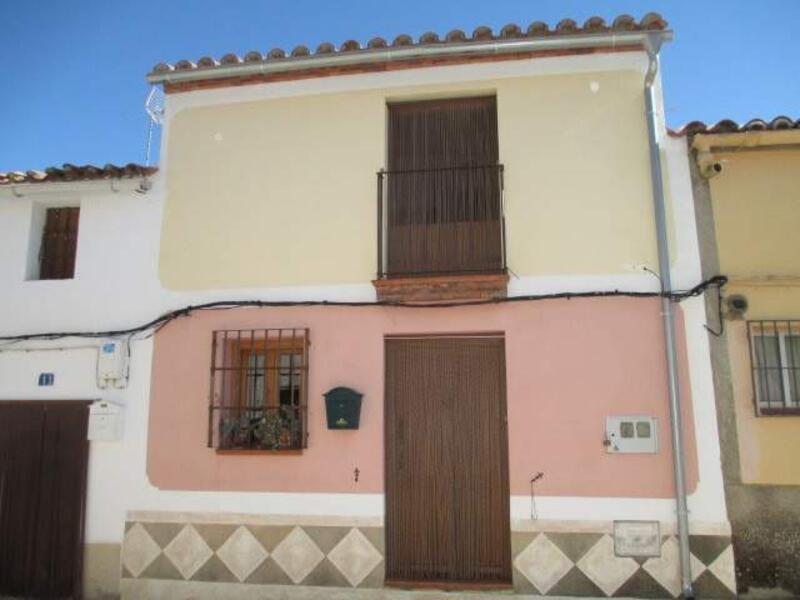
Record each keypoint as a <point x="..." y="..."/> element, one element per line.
<point x="447" y="491"/>
<point x="43" y="457"/>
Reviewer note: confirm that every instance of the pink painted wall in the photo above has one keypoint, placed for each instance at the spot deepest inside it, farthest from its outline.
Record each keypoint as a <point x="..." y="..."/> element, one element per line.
<point x="569" y="364"/>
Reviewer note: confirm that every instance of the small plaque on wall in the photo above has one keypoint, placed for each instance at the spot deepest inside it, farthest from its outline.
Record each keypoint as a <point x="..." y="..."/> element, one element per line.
<point x="637" y="538"/>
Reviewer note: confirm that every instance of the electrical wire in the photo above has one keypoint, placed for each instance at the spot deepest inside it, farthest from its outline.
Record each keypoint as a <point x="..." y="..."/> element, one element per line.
<point x="720" y="316"/>
<point x="151" y="327"/>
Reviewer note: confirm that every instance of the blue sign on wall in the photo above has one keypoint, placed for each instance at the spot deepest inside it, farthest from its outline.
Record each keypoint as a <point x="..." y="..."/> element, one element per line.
<point x="46" y="379"/>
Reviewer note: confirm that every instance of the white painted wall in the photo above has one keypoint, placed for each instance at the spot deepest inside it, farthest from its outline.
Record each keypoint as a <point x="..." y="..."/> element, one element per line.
<point x="116" y="286"/>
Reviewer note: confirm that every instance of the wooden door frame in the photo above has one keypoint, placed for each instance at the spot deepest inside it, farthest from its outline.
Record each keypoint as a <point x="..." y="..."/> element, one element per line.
<point x="446" y="585"/>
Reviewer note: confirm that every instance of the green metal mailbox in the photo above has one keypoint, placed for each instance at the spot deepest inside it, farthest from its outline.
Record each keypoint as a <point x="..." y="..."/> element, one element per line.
<point x="343" y="407"/>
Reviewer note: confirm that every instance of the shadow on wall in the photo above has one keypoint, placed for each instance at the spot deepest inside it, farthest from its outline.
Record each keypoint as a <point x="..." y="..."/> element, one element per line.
<point x="766" y="537"/>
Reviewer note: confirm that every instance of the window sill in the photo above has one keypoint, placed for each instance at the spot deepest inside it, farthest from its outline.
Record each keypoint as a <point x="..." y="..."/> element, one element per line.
<point x="243" y="452"/>
<point x="779" y="412"/>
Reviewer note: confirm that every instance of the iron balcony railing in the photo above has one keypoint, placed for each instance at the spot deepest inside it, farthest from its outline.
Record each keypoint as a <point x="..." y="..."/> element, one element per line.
<point x="441" y="221"/>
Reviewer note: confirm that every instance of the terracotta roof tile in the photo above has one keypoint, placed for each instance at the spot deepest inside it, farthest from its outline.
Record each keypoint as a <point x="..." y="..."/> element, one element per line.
<point x="68" y="172"/>
<point x="730" y="126"/>
<point x="593" y="25"/>
<point x="377" y="42"/>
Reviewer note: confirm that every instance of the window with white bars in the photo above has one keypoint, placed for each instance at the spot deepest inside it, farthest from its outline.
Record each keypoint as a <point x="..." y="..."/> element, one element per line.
<point x="258" y="389"/>
<point x="775" y="359"/>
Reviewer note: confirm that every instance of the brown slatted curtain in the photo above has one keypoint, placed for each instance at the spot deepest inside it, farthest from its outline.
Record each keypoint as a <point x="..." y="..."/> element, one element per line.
<point x="43" y="461"/>
<point x="59" y="243"/>
<point x="443" y="187"/>
<point x="447" y="490"/>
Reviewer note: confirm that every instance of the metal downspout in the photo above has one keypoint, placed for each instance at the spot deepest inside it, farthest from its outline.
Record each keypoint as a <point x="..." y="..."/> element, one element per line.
<point x="653" y="46"/>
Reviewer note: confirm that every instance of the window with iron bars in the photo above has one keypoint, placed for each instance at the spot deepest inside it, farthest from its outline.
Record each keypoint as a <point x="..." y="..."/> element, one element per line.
<point x="259" y="381"/>
<point x="775" y="359"/>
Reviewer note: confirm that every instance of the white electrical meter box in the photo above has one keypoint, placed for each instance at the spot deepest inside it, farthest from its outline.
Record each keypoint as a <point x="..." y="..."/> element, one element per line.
<point x="631" y="435"/>
<point x="105" y="421"/>
<point x="112" y="364"/>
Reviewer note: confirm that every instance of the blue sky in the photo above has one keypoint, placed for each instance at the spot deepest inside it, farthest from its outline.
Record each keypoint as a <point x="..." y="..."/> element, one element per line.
<point x="73" y="83"/>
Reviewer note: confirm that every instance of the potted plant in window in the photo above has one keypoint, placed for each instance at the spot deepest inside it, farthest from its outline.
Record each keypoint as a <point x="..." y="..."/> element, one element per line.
<point x="268" y="431"/>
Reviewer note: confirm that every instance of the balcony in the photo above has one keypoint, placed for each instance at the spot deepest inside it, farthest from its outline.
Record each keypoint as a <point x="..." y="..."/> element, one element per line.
<point x="441" y="234"/>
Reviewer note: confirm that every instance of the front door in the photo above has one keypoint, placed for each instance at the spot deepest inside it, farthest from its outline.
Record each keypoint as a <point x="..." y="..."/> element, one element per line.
<point x="447" y="491"/>
<point x="43" y="457"/>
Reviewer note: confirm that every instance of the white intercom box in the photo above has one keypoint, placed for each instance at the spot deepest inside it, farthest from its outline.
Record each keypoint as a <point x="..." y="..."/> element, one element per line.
<point x="631" y="434"/>
<point x="105" y="421"/>
<point x="112" y="364"/>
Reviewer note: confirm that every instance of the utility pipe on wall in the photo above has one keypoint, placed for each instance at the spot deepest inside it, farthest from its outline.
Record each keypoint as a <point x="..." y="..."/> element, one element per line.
<point x="653" y="46"/>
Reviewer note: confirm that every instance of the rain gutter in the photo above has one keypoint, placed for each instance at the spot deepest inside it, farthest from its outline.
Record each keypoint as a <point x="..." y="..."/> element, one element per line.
<point x="653" y="46"/>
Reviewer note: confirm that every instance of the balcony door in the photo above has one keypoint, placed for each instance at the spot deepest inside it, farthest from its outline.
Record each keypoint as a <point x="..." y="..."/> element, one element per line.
<point x="444" y="213"/>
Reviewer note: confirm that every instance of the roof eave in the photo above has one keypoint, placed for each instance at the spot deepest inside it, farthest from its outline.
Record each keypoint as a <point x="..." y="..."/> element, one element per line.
<point x="740" y="140"/>
<point x="608" y="40"/>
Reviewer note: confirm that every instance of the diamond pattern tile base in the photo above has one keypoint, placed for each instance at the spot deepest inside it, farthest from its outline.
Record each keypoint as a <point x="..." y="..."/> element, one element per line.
<point x="242" y="553"/>
<point x="544" y="563"/>
<point x="355" y="557"/>
<point x="297" y="555"/>
<point x="255" y="554"/>
<point x="141" y="550"/>
<point x="605" y="568"/>
<point x="188" y="551"/>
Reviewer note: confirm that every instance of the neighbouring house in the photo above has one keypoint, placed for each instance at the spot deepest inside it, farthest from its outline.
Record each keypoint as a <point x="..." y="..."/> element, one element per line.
<point x="417" y="314"/>
<point x="747" y="197"/>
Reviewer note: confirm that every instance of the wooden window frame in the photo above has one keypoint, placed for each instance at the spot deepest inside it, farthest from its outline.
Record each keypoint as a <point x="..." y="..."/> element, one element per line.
<point x="230" y="398"/>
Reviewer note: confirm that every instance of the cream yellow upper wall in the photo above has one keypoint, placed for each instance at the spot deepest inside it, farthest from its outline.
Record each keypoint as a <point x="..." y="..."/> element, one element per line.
<point x="756" y="202"/>
<point x="768" y="445"/>
<point x="283" y="192"/>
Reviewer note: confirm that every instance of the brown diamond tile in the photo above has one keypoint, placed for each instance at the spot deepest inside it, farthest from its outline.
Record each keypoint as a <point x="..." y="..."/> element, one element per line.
<point x="326" y="537"/>
<point x="574" y="545"/>
<point x="708" y="586"/>
<point x="708" y="547"/>
<point x="576" y="583"/>
<point x="376" y="537"/>
<point x="522" y="584"/>
<point x="163" y="533"/>
<point x="642" y="585"/>
<point x="215" y="534"/>
<point x="521" y="540"/>
<point x="270" y="535"/>
<point x="376" y="579"/>
<point x="326" y="574"/>
<point x="214" y="570"/>
<point x="161" y="568"/>
<point x="269" y="572"/>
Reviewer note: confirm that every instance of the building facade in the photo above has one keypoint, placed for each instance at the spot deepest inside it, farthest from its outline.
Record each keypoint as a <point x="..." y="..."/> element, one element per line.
<point x="384" y="317"/>
<point x="746" y="192"/>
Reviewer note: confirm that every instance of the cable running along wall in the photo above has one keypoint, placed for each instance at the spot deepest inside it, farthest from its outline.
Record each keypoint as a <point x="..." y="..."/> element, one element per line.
<point x="159" y="322"/>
